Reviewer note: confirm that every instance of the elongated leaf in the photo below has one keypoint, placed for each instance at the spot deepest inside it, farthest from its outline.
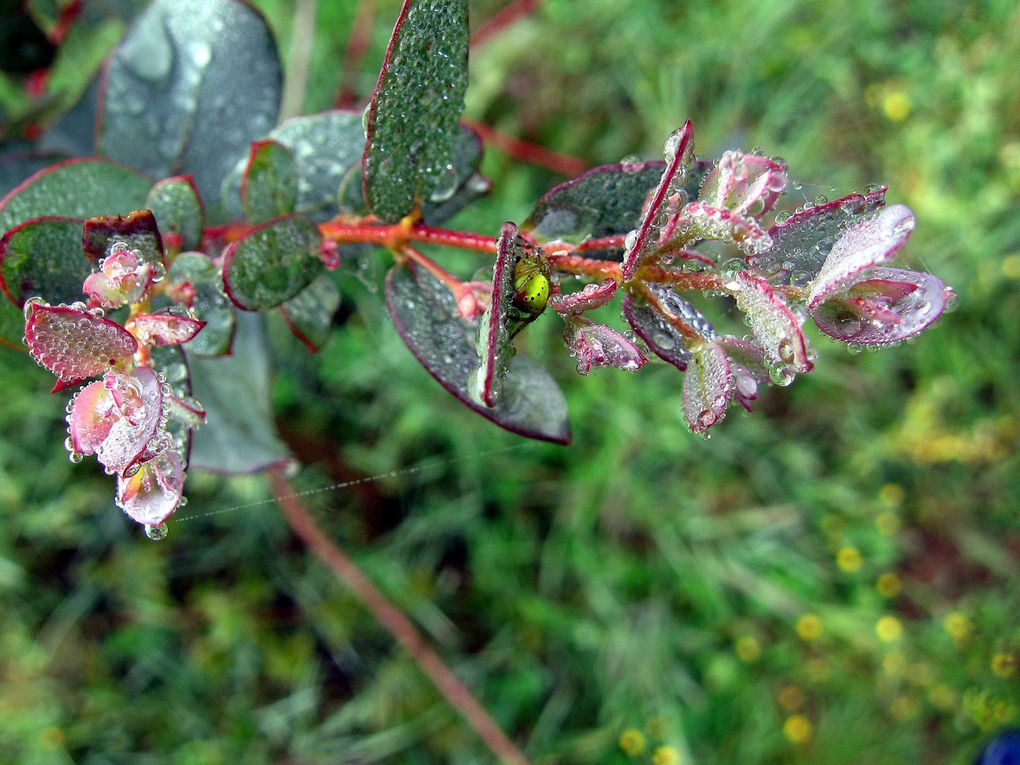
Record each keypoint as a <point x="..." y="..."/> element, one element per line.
<point x="179" y="211"/>
<point x="43" y="257"/>
<point x="309" y="314"/>
<point x="272" y="263"/>
<point x="412" y="120"/>
<point x="707" y="387"/>
<point x="269" y="186"/>
<point x="238" y="435"/>
<point x="596" y="345"/>
<point x="426" y="316"/>
<point x="774" y="326"/>
<point x="590" y="297"/>
<point x="495" y="346"/>
<point x="75" y="188"/>
<point x="191" y="84"/>
<point x="665" y="340"/>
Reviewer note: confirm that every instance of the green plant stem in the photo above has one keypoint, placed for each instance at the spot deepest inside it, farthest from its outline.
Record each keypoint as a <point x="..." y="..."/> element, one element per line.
<point x="394" y="620"/>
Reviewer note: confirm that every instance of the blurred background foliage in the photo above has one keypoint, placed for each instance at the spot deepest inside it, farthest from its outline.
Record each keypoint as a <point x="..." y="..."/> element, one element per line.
<point x="832" y="579"/>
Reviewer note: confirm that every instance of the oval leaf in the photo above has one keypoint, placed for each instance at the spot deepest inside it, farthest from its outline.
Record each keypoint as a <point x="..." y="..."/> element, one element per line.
<point x="179" y="211"/>
<point x="136" y="231"/>
<point x="707" y="387"/>
<point x="596" y="345"/>
<point x="309" y="314"/>
<point x="774" y="326"/>
<point x="269" y="184"/>
<point x="153" y="494"/>
<point x="42" y="257"/>
<point x="665" y="340"/>
<point x="164" y="328"/>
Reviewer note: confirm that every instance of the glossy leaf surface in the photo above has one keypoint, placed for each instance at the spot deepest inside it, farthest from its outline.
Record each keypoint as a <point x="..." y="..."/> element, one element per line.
<point x="43" y="257"/>
<point x="75" y="345"/>
<point x="309" y="314"/>
<point x="269" y="185"/>
<point x="179" y="211"/>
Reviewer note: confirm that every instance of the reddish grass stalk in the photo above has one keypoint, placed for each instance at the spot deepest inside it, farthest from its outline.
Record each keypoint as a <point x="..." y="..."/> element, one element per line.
<point x="506" y="16"/>
<point x="394" y="620"/>
<point x="357" y="44"/>
<point x="528" y="152"/>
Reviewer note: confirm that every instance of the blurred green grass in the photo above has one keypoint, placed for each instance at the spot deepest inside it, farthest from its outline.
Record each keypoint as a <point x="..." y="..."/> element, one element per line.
<point x="719" y="598"/>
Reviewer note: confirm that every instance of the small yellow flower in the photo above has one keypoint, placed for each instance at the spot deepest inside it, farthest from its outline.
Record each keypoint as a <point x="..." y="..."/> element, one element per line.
<point x="957" y="624"/>
<point x="889" y="629"/>
<point x="809" y="627"/>
<point x="747" y="649"/>
<point x="797" y="729"/>
<point x="666" y="755"/>
<point x="896" y="105"/>
<point x="1004" y="665"/>
<point x="848" y="559"/>
<point x="632" y="742"/>
<point x="888" y="585"/>
<point x="887" y="523"/>
<point x="790" y="698"/>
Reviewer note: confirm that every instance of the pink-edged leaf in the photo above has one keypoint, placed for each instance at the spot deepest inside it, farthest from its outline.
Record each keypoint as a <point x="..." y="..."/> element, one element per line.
<point x="707" y="387"/>
<point x="774" y="326"/>
<point x="118" y="420"/>
<point x="164" y="328"/>
<point x="179" y="211"/>
<point x="73" y="344"/>
<point x="591" y="297"/>
<point x="187" y="410"/>
<point x="135" y="231"/>
<point x="668" y="198"/>
<point x="801" y="243"/>
<point x="707" y="222"/>
<point x="596" y="345"/>
<point x="309" y="314"/>
<point x="747" y="184"/>
<point x="42" y="257"/>
<point x="679" y="312"/>
<point x="153" y="494"/>
<point x="862" y="246"/>
<point x="747" y="360"/>
<point x="882" y="306"/>
<point x="124" y="277"/>
<point x="664" y="339"/>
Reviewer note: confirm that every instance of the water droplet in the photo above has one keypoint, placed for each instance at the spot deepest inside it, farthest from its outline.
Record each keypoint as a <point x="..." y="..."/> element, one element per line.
<point x="75" y="457"/>
<point x="31" y="304"/>
<point x="156" y="533"/>
<point x="821" y="199"/>
<point x="200" y="52"/>
<point x="446" y="183"/>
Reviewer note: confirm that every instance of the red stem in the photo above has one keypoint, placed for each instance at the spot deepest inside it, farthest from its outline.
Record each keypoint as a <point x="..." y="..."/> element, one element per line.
<point x="423" y="260"/>
<point x="525" y="151"/>
<point x="504" y="17"/>
<point x="394" y="620"/>
<point x="357" y="44"/>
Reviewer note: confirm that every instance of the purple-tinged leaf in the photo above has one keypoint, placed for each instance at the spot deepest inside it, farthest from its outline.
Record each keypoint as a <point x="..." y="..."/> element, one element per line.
<point x="747" y="361"/>
<point x="774" y="326"/>
<point x="590" y="297"/>
<point x="425" y="314"/>
<point x="179" y="212"/>
<point x="596" y="345"/>
<point x="746" y="184"/>
<point x="707" y="387"/>
<point x="665" y="340"/>
<point x="801" y="243"/>
<point x="42" y="257"/>
<point x="668" y="198"/>
<point x="272" y="263"/>
<point x="703" y="221"/>
<point x="412" y="120"/>
<point x="679" y="312"/>
<point x="124" y="277"/>
<point x="882" y="306"/>
<point x="136" y="231"/>
<point x="862" y="246"/>
<point x="153" y="494"/>
<point x="195" y="272"/>
<point x="309" y="314"/>
<point x="191" y="84"/>
<point x="75" y="188"/>
<point x="73" y="344"/>
<point x="269" y="184"/>
<point x="238" y="435"/>
<point x="164" y="328"/>
<point x="118" y="418"/>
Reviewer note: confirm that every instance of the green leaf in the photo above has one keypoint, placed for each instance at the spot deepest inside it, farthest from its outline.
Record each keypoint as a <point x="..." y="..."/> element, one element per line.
<point x="192" y="83"/>
<point x="412" y="120"/>
<point x="309" y="314"/>
<point x="43" y="257"/>
<point x="211" y="304"/>
<point x="272" y="263"/>
<point x="269" y="185"/>
<point x="425" y="314"/>
<point x="137" y="230"/>
<point x="75" y="188"/>
<point x="238" y="435"/>
<point x="179" y="211"/>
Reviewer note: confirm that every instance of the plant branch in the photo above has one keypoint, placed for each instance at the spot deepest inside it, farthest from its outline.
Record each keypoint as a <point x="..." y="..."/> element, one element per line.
<point x="394" y="620"/>
<point x="298" y="58"/>
<point x="357" y="44"/>
<point x="526" y="151"/>
<point x="503" y="18"/>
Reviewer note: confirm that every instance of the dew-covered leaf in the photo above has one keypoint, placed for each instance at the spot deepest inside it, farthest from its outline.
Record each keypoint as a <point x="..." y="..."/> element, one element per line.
<point x="164" y="328"/>
<point x="666" y="341"/>
<point x="520" y="287"/>
<point x="596" y="345"/>
<point x="272" y="263"/>
<point x="42" y="257"/>
<point x="679" y="312"/>
<point x="746" y="184"/>
<point x="801" y="243"/>
<point x="881" y="306"/>
<point x="210" y="303"/>
<point x="269" y="185"/>
<point x="191" y="84"/>
<point x="137" y="231"/>
<point x="707" y="387"/>
<point x="591" y="296"/>
<point x="123" y="277"/>
<point x="425" y="314"/>
<point x="412" y="120"/>
<point x="75" y="188"/>
<point x="238" y="435"/>
<point x="669" y="196"/>
<point x="703" y="221"/>
<point x="862" y="246"/>
<point x="153" y="494"/>
<point x="774" y="326"/>
<point x="73" y="344"/>
<point x="747" y="360"/>
<point x="309" y="314"/>
<point x="179" y="211"/>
